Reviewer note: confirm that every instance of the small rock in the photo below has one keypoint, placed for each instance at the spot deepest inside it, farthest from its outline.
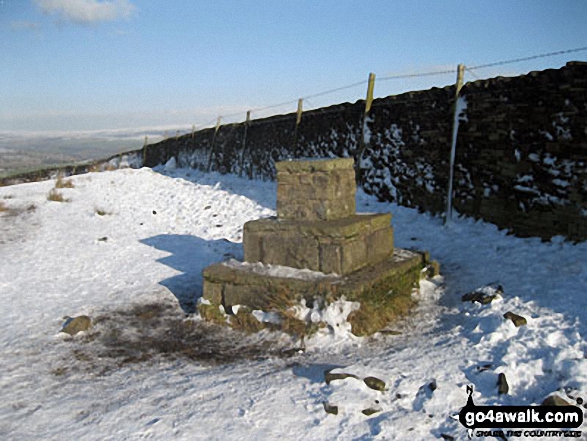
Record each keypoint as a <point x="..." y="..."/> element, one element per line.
<point x="479" y="297"/>
<point x="330" y="409"/>
<point x="369" y="411"/>
<point x="73" y="325"/>
<point x="375" y="383"/>
<point x="154" y="212"/>
<point x="484" y="295"/>
<point x="516" y="319"/>
<point x="502" y="384"/>
<point x="447" y="437"/>
<point x="207" y="207"/>
<point x="555" y="400"/>
<point x="331" y="376"/>
<point x="432" y="386"/>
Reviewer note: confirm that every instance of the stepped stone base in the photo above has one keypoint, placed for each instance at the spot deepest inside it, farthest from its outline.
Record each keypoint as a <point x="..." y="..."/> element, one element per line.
<point x="338" y="246"/>
<point x="379" y="288"/>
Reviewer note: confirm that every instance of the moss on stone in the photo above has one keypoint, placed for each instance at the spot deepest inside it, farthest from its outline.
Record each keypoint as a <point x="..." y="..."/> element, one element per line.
<point x="384" y="303"/>
<point x="212" y="313"/>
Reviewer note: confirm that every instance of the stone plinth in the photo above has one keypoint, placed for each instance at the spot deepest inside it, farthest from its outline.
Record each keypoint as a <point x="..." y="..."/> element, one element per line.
<point x="316" y="249"/>
<point x="383" y="290"/>
<point x="315" y="190"/>
<point x="337" y="246"/>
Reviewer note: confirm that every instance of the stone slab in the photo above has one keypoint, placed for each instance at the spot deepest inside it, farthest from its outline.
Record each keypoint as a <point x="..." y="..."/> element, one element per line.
<point x="339" y="246"/>
<point x="255" y="286"/>
<point x="312" y="165"/>
<point x="316" y="189"/>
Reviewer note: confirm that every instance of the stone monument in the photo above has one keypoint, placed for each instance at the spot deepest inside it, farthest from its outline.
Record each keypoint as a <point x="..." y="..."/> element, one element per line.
<point x="317" y="248"/>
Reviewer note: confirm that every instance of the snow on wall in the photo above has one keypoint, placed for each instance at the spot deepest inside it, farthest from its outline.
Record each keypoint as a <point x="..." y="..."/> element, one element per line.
<point x="521" y="155"/>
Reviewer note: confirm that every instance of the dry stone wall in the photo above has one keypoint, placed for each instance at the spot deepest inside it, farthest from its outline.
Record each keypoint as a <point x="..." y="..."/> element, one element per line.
<point x="521" y="157"/>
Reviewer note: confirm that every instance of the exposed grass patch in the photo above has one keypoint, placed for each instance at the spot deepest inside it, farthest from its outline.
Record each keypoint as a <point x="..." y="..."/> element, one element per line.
<point x="61" y="183"/>
<point x="56" y="196"/>
<point x="374" y="316"/>
<point x="244" y="321"/>
<point x="8" y="196"/>
<point x="16" y="211"/>
<point x="59" y="371"/>
<point x="155" y="331"/>
<point x="101" y="212"/>
<point x="212" y="313"/>
<point x="292" y="325"/>
<point x="381" y="307"/>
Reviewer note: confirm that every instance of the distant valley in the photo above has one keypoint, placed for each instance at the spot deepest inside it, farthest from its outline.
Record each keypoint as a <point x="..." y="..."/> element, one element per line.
<point x="24" y="152"/>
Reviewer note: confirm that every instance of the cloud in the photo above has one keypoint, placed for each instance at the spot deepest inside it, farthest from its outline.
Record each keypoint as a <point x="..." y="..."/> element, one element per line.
<point x="25" y="26"/>
<point x="87" y="11"/>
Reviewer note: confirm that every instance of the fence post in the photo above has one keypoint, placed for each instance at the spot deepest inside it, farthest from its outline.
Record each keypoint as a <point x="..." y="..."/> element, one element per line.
<point x="218" y="120"/>
<point x="193" y="130"/>
<point x="368" y="103"/>
<point x="453" y="147"/>
<point x="244" y="143"/>
<point x="370" y="88"/>
<point x="145" y="149"/>
<point x="298" y="121"/>
<point x="176" y="135"/>
<point x="299" y="112"/>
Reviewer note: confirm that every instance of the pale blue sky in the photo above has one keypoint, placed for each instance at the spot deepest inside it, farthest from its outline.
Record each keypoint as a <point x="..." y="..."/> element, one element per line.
<point x="89" y="65"/>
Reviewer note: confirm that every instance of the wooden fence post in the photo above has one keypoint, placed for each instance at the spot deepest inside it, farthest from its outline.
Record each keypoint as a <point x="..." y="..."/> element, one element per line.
<point x="146" y="143"/>
<point x="210" y="157"/>
<point x="362" y="145"/>
<point x="193" y="130"/>
<point x="298" y="121"/>
<point x="244" y="143"/>
<point x="299" y="112"/>
<point x="370" y="88"/>
<point x="453" y="147"/>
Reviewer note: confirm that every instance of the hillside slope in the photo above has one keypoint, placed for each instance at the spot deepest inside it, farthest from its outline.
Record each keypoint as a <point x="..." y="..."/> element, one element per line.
<point x="128" y="249"/>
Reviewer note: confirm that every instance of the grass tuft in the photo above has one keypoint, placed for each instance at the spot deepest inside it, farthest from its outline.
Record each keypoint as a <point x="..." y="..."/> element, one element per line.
<point x="245" y="321"/>
<point x="101" y="212"/>
<point x="55" y="196"/>
<point x="60" y="183"/>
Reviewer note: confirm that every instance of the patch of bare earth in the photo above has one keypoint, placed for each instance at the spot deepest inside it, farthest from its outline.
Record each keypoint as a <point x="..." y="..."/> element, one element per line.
<point x="152" y="332"/>
<point x="16" y="224"/>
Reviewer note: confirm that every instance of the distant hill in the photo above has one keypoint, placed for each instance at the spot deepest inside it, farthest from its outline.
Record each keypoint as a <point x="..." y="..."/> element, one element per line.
<point x="25" y="152"/>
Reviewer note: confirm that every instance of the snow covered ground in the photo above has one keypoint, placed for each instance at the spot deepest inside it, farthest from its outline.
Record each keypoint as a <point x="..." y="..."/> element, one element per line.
<point x="130" y="240"/>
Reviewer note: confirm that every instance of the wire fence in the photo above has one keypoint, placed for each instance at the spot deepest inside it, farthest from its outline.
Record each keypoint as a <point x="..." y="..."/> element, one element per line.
<point x="284" y="110"/>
